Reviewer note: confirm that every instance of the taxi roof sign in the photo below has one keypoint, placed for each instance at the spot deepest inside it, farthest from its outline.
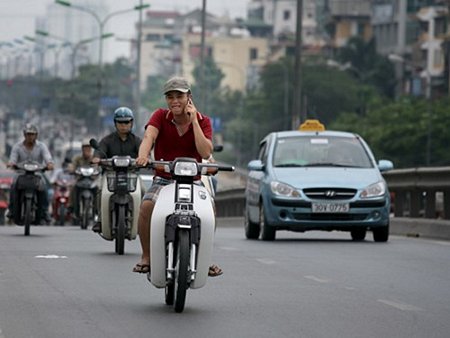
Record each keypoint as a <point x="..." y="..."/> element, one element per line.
<point x="311" y="125"/>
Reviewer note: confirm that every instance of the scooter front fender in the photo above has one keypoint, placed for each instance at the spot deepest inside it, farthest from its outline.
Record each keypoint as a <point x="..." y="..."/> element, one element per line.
<point x="203" y="207"/>
<point x="106" y="219"/>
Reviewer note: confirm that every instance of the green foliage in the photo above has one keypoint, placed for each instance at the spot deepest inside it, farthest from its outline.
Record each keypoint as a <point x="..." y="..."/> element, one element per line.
<point x="369" y="67"/>
<point x="153" y="97"/>
<point x="329" y="91"/>
<point x="399" y="130"/>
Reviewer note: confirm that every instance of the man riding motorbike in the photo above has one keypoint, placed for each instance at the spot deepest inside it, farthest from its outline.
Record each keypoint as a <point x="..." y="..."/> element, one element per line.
<point x="176" y="131"/>
<point x="121" y="142"/>
<point x="82" y="160"/>
<point x="30" y="149"/>
<point x="63" y="181"/>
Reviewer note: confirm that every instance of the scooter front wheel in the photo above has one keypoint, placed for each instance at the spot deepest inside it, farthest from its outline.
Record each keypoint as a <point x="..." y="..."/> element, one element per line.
<point x="170" y="291"/>
<point x="120" y="231"/>
<point x="27" y="216"/>
<point x="182" y="270"/>
<point x="85" y="212"/>
<point x="62" y="214"/>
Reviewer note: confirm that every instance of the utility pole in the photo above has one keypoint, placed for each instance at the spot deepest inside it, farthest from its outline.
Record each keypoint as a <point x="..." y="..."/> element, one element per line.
<point x="138" y="65"/>
<point x="298" y="115"/>
<point x="202" y="59"/>
<point x="401" y="37"/>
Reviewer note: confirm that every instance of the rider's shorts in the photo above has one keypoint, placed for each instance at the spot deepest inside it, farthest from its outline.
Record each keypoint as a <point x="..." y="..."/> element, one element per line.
<point x="158" y="183"/>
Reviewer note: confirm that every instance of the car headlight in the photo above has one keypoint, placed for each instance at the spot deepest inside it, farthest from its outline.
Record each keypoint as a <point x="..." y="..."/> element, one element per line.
<point x="121" y="162"/>
<point x="185" y="169"/>
<point x="282" y="189"/>
<point x="374" y="190"/>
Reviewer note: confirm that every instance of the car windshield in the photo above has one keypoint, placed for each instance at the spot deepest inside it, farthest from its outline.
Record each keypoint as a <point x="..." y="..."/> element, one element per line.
<point x="320" y="151"/>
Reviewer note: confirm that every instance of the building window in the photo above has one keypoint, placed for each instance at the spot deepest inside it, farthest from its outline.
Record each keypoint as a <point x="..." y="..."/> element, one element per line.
<point x="253" y="53"/>
<point x="286" y="15"/>
<point x="152" y="37"/>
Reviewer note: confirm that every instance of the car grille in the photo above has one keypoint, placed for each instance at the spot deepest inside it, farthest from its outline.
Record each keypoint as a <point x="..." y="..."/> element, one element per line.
<point x="329" y="217"/>
<point x="330" y="193"/>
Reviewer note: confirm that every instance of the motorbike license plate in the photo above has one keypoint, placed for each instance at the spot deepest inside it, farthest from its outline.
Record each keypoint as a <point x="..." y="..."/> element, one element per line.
<point x="330" y="207"/>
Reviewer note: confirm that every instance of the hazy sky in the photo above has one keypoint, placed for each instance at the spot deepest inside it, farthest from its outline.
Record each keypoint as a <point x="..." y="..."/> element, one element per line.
<point x="17" y="17"/>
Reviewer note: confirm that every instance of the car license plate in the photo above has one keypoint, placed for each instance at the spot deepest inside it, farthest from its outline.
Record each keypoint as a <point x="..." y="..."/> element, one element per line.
<point x="330" y="207"/>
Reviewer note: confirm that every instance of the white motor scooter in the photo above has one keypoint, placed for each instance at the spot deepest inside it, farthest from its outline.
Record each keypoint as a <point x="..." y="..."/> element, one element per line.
<point x="182" y="230"/>
<point x="120" y="199"/>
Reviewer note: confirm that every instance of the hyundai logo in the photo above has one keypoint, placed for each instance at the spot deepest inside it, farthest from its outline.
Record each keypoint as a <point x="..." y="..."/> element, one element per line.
<point x="330" y="193"/>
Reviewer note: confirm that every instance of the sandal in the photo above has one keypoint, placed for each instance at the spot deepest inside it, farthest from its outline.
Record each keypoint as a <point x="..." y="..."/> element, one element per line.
<point x="214" y="271"/>
<point x="141" y="268"/>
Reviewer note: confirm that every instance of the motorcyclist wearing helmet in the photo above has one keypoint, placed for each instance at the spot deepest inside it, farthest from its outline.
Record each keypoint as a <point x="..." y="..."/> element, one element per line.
<point x="82" y="160"/>
<point x="121" y="142"/>
<point x="33" y="150"/>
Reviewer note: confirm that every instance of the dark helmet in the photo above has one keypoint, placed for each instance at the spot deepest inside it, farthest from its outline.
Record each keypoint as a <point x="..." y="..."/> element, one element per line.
<point x="123" y="114"/>
<point x="30" y="129"/>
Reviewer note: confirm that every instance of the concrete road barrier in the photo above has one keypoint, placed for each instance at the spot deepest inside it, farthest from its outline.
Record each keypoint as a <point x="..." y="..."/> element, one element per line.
<point x="411" y="227"/>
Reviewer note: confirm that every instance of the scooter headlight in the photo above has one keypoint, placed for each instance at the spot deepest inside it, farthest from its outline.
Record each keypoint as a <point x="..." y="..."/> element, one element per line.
<point x="30" y="166"/>
<point x="121" y="162"/>
<point x="185" y="169"/>
<point x="87" y="171"/>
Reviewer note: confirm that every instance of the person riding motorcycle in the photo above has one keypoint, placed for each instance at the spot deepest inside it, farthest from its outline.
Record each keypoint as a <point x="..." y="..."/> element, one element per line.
<point x="61" y="180"/>
<point x="82" y="160"/>
<point x="31" y="149"/>
<point x="121" y="142"/>
<point x="177" y="131"/>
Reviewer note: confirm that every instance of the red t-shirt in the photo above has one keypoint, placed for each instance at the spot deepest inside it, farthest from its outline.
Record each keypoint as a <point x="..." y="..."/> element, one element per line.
<point x="169" y="144"/>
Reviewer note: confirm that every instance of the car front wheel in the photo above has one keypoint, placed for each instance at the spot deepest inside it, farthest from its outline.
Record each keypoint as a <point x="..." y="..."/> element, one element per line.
<point x="267" y="232"/>
<point x="252" y="230"/>
<point x="381" y="234"/>
<point x="358" y="234"/>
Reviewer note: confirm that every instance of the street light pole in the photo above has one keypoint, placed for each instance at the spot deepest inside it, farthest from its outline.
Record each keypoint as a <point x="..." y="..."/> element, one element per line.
<point x="101" y="24"/>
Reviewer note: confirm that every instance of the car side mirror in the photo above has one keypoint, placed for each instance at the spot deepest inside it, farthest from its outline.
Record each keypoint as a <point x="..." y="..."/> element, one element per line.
<point x="255" y="165"/>
<point x="385" y="165"/>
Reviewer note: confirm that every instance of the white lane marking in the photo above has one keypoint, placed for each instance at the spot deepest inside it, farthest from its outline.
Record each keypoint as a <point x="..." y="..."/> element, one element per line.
<point x="400" y="306"/>
<point x="1" y="334"/>
<point x="317" y="279"/>
<point x="265" y="261"/>
<point x="50" y="256"/>
<point x="229" y="248"/>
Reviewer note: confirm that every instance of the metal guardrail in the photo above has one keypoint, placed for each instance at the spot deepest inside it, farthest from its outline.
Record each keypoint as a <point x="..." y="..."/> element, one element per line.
<point x="416" y="193"/>
<point x="420" y="192"/>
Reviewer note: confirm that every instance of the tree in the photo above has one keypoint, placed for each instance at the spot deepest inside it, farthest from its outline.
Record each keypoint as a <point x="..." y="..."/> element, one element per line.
<point x="398" y="130"/>
<point x="369" y="67"/>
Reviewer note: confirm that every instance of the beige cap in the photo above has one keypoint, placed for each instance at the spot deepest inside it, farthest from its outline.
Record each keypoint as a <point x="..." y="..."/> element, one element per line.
<point x="176" y="83"/>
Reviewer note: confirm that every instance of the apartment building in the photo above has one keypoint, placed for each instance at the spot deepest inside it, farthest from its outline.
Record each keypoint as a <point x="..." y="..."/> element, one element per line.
<point x="172" y="45"/>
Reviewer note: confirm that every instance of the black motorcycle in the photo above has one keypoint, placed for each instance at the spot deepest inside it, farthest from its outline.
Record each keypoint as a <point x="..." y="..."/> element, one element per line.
<point x="28" y="184"/>
<point x="86" y="188"/>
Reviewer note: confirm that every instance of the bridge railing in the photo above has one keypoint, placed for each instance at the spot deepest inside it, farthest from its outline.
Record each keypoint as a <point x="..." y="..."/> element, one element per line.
<point x="420" y="192"/>
<point x="415" y="192"/>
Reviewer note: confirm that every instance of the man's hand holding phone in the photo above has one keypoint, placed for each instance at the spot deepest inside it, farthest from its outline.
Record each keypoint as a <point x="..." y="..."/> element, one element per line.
<point x="191" y="110"/>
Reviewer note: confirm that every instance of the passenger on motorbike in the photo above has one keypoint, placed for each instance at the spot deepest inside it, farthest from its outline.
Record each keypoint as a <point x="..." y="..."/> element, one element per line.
<point x="82" y="160"/>
<point x="31" y="149"/>
<point x="121" y="142"/>
<point x="179" y="131"/>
